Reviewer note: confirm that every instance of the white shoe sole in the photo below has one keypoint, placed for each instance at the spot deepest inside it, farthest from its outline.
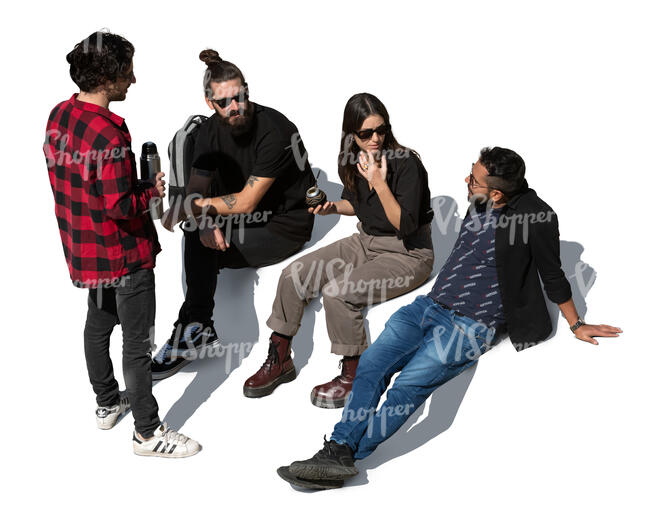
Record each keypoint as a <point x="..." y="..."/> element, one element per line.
<point x="107" y="423"/>
<point x="157" y="376"/>
<point x="163" y="455"/>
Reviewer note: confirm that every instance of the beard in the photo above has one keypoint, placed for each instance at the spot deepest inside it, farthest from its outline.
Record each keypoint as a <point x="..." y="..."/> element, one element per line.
<point x="116" y="92"/>
<point x="477" y="199"/>
<point x="240" y="125"/>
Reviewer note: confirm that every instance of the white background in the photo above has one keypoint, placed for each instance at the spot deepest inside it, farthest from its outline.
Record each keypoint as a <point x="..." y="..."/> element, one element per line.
<point x="557" y="432"/>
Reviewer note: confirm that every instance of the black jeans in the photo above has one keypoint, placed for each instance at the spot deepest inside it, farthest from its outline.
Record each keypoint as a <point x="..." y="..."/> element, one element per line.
<point x="132" y="304"/>
<point x="257" y="247"/>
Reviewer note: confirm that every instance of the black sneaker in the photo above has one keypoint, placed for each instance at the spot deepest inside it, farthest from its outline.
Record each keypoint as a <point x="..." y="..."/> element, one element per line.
<point x="333" y="461"/>
<point x="183" y="347"/>
<point x="309" y="484"/>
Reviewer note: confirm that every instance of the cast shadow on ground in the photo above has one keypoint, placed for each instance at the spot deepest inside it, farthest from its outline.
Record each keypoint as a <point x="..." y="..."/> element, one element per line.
<point x="237" y="324"/>
<point x="444" y="229"/>
<point x="303" y="341"/>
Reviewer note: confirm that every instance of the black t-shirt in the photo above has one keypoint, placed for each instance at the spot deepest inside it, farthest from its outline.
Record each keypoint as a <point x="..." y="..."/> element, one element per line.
<point x="408" y="181"/>
<point x="265" y="151"/>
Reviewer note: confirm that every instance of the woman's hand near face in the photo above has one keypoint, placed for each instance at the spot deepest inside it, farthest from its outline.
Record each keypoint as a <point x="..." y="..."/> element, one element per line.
<point x="372" y="170"/>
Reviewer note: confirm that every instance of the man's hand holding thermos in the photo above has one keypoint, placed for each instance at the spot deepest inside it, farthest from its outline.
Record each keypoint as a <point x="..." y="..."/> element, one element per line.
<point x="150" y="170"/>
<point x="160" y="184"/>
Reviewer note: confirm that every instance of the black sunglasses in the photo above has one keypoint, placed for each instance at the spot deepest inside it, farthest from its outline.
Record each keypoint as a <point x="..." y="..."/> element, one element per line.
<point x="240" y="97"/>
<point x="366" y="134"/>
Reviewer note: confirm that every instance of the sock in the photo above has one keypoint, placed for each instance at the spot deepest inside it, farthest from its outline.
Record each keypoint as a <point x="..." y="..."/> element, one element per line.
<point x="283" y="336"/>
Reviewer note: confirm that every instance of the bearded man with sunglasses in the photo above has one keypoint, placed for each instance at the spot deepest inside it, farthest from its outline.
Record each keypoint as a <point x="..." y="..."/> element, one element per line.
<point x="489" y="286"/>
<point x="245" y="168"/>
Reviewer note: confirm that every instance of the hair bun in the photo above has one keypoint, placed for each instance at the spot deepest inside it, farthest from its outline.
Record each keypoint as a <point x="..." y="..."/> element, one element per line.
<point x="209" y="56"/>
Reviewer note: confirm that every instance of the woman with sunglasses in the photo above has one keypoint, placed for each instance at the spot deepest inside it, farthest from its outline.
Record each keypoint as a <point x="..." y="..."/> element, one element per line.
<point x="386" y="188"/>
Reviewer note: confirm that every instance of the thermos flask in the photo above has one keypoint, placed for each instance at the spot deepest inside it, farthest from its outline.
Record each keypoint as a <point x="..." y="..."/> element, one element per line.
<point x="149" y="166"/>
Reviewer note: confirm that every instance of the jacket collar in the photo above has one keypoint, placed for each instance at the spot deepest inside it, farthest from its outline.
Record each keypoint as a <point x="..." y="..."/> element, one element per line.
<point x="515" y="201"/>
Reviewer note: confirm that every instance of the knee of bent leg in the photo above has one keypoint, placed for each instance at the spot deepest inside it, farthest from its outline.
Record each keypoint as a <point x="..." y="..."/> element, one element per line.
<point x="291" y="271"/>
<point x="299" y="272"/>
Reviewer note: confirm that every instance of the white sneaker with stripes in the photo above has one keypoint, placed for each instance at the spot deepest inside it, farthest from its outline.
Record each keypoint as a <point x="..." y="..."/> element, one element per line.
<point x="165" y="443"/>
<point x="107" y="417"/>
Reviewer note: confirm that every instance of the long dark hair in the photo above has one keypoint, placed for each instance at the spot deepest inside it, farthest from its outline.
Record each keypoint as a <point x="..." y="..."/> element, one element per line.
<point x="359" y="107"/>
<point x="218" y="70"/>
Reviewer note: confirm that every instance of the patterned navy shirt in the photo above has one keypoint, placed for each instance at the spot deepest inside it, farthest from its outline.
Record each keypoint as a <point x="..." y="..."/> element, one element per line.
<point x="468" y="281"/>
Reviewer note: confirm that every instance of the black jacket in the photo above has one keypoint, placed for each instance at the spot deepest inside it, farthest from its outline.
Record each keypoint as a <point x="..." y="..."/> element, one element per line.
<point x="527" y="249"/>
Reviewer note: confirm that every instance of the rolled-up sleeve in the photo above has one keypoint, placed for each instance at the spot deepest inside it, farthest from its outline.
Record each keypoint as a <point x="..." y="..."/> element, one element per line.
<point x="545" y="249"/>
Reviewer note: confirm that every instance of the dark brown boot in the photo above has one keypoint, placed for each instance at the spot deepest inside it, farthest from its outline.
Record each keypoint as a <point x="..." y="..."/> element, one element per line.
<point x="277" y="369"/>
<point x="332" y="395"/>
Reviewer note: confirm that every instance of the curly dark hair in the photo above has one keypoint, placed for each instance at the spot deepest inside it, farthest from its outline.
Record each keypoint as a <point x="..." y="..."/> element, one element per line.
<point x="100" y="58"/>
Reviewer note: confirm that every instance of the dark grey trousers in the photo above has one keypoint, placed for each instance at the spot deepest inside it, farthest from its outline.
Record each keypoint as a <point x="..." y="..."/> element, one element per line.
<point x="132" y="304"/>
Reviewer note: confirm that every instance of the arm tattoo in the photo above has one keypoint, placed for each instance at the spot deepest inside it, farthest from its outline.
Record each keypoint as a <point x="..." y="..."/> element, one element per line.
<point x="229" y="200"/>
<point x="251" y="180"/>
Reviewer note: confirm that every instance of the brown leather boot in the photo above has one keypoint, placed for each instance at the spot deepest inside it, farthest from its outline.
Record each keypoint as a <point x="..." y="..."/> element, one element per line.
<point x="277" y="369"/>
<point x="332" y="395"/>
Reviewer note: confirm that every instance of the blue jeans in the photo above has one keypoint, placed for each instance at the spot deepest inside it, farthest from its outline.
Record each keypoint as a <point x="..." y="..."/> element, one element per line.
<point x="430" y="345"/>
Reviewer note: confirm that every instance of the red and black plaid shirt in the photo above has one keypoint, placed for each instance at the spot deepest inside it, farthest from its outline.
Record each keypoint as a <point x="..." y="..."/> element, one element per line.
<point x="100" y="205"/>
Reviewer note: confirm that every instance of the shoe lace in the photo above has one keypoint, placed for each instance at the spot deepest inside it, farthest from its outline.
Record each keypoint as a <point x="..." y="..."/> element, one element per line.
<point x="162" y="353"/>
<point x="175" y="339"/>
<point x="328" y="448"/>
<point x="171" y="437"/>
<point x="273" y="356"/>
<point x="338" y="378"/>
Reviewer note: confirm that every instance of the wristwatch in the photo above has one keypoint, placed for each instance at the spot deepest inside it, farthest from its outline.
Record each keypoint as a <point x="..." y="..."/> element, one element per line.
<point x="577" y="324"/>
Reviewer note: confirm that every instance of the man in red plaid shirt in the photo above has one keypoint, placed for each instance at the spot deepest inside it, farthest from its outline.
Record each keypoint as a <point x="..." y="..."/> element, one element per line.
<point x="109" y="239"/>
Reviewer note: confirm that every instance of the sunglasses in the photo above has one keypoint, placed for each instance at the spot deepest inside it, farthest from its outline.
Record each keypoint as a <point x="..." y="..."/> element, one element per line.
<point x="240" y="97"/>
<point x="366" y="134"/>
